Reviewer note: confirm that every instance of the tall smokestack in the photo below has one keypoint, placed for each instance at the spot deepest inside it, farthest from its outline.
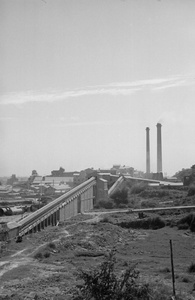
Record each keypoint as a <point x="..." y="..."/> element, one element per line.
<point x="147" y="150"/>
<point x="159" y="148"/>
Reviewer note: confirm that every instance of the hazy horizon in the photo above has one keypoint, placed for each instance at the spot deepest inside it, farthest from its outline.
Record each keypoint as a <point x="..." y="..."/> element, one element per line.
<point x="82" y="79"/>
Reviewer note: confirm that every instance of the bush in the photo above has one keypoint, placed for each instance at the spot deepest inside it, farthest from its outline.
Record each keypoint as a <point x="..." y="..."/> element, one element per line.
<point x="154" y="193"/>
<point x="190" y="220"/>
<point x="103" y="283"/>
<point x="183" y="226"/>
<point x="148" y="203"/>
<point x="150" y="223"/>
<point x="104" y="220"/>
<point x="185" y="279"/>
<point x="191" y="268"/>
<point x="191" y="190"/>
<point x="52" y="245"/>
<point x="120" y="197"/>
<point x="138" y="188"/>
<point x="108" y="204"/>
<point x="38" y="256"/>
<point x="121" y="205"/>
<point x="165" y="270"/>
<point x="47" y="254"/>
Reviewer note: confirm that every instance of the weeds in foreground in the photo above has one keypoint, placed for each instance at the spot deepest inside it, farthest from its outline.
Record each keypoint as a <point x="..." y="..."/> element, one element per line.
<point x="103" y="283"/>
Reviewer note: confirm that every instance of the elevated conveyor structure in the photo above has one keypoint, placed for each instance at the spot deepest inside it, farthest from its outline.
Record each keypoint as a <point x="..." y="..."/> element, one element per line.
<point x="77" y="200"/>
<point x="116" y="186"/>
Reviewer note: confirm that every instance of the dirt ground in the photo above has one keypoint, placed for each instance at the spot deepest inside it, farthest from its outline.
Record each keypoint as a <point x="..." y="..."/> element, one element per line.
<point x="44" y="265"/>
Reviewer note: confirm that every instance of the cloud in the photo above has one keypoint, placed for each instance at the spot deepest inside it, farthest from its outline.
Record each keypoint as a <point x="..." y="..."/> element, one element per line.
<point x="113" y="89"/>
<point x="90" y="123"/>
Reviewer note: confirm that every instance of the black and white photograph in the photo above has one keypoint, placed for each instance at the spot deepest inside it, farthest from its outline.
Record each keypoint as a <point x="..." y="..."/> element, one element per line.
<point x="97" y="149"/>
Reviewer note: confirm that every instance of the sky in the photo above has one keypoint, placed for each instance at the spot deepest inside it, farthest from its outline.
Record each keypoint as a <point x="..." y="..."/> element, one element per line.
<point x="80" y="80"/>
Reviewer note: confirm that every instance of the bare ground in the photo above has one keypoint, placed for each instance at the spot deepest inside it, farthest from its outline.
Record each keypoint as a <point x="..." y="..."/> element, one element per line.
<point x="83" y="242"/>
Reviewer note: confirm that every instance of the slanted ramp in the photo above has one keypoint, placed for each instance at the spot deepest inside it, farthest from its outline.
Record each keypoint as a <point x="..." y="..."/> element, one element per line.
<point x="116" y="186"/>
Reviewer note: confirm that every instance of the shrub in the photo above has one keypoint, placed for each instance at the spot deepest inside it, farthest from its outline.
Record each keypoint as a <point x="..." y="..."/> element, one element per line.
<point x="52" y="245"/>
<point x="108" y="204"/>
<point x="120" y="197"/>
<point x="138" y="188"/>
<point x="38" y="256"/>
<point x="149" y="223"/>
<point x="104" y="220"/>
<point x="165" y="270"/>
<point x="190" y="220"/>
<point x="185" y="279"/>
<point x="154" y="193"/>
<point x="121" y="205"/>
<point x="47" y="254"/>
<point x="191" y="190"/>
<point x="156" y="223"/>
<point x="191" y="268"/>
<point x="103" y="283"/>
<point x="148" y="203"/>
<point x="183" y="226"/>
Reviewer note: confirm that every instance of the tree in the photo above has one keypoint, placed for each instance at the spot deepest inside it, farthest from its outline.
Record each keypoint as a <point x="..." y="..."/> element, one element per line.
<point x="34" y="173"/>
<point x="182" y="173"/>
<point x="120" y="196"/>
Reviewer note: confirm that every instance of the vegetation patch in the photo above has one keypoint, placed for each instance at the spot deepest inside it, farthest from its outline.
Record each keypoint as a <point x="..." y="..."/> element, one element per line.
<point x="52" y="245"/>
<point x="187" y="220"/>
<point x="148" y="204"/>
<point x="149" y="223"/>
<point x="120" y="197"/>
<point x="38" y="255"/>
<point x="107" y="204"/>
<point x="184" y="226"/>
<point x="191" y="190"/>
<point x="103" y="283"/>
<point x="138" y="188"/>
<point x="89" y="253"/>
<point x="191" y="268"/>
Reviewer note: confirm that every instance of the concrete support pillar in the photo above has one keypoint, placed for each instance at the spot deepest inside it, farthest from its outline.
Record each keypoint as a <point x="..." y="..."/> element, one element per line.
<point x="39" y="227"/>
<point x="58" y="215"/>
<point x="82" y="203"/>
<point x="46" y="221"/>
<point x="55" y="218"/>
<point x="75" y="206"/>
<point x="42" y="225"/>
<point x="62" y="214"/>
<point x="79" y="204"/>
<point x="72" y="207"/>
<point x="51" y="219"/>
<point x="66" y="211"/>
<point x="147" y="150"/>
<point x="159" y="149"/>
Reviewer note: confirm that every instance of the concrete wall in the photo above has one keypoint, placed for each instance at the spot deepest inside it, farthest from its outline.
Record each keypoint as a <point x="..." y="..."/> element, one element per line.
<point x="82" y="203"/>
<point x="102" y="190"/>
